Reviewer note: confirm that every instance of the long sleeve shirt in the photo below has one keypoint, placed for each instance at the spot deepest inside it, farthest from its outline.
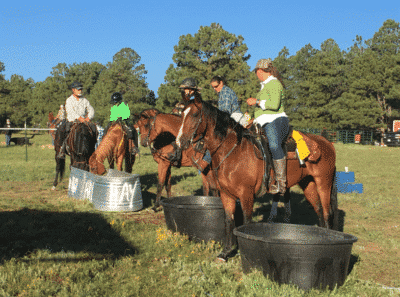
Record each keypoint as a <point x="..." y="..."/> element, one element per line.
<point x="271" y="96"/>
<point x="228" y="101"/>
<point x="120" y="111"/>
<point x="78" y="108"/>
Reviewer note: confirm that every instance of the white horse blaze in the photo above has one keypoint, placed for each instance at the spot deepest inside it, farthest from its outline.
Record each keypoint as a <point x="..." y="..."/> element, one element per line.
<point x="178" y="138"/>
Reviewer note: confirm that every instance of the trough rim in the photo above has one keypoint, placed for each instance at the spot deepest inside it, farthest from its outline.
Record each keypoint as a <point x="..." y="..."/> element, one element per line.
<point x="346" y="238"/>
<point x="196" y="206"/>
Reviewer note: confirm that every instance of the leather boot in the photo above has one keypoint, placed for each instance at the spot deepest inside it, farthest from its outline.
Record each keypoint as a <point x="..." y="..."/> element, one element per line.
<point x="280" y="177"/>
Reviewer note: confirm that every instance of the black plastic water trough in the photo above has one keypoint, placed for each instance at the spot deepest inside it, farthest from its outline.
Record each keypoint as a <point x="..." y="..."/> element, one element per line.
<point x="306" y="256"/>
<point x="200" y="217"/>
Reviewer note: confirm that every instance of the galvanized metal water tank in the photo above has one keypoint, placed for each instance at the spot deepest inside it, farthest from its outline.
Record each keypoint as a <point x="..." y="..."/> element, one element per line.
<point x="116" y="191"/>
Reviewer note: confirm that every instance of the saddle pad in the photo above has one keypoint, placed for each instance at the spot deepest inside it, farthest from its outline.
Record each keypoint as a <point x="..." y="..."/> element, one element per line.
<point x="315" y="153"/>
<point x="304" y="152"/>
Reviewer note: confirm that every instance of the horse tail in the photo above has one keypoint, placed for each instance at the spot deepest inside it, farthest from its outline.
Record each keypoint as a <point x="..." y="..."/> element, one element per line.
<point x="334" y="211"/>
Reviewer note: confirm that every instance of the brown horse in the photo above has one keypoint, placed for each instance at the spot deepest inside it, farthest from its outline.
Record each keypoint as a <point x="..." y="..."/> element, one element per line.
<point x="240" y="173"/>
<point x="81" y="142"/>
<point x="158" y="130"/>
<point x="52" y="123"/>
<point x="115" y="146"/>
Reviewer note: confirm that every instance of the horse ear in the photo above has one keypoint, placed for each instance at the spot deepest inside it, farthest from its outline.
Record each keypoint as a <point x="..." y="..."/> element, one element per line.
<point x="135" y="117"/>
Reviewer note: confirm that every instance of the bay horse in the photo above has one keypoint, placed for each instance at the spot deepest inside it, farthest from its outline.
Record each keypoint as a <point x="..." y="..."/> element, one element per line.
<point x="239" y="172"/>
<point x="158" y="130"/>
<point x="115" y="146"/>
<point x="81" y="142"/>
<point x="52" y="123"/>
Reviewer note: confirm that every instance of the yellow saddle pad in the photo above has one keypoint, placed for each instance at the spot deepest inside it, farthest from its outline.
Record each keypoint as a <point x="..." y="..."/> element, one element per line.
<point x="304" y="152"/>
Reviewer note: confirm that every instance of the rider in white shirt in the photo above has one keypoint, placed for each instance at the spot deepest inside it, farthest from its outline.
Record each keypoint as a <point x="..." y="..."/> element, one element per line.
<point x="78" y="109"/>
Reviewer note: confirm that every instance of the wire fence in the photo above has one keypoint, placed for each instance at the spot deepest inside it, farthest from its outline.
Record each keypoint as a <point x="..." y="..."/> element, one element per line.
<point x="368" y="137"/>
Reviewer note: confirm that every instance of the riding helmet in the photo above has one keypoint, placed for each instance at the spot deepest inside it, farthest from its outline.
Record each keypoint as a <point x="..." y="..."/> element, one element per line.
<point x="189" y="83"/>
<point x="116" y="98"/>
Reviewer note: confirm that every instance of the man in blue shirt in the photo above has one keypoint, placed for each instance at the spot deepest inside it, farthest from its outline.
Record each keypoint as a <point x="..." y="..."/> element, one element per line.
<point x="227" y="100"/>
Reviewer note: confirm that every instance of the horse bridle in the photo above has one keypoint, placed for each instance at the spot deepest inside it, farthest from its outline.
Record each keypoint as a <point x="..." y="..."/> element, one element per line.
<point x="147" y="138"/>
<point x="194" y="132"/>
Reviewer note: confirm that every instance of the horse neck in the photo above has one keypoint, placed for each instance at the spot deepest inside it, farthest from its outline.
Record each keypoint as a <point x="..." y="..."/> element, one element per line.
<point x="108" y="143"/>
<point x="214" y="142"/>
<point x="167" y="123"/>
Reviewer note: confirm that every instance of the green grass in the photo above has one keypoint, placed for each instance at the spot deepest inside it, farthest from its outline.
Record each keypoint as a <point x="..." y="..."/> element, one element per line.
<point x="53" y="245"/>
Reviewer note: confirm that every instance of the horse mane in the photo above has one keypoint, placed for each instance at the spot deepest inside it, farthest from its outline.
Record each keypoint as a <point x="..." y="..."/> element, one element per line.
<point x="223" y="122"/>
<point x="144" y="112"/>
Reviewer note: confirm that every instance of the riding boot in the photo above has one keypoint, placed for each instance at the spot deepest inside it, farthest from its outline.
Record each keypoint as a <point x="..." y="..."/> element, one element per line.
<point x="280" y="177"/>
<point x="130" y="135"/>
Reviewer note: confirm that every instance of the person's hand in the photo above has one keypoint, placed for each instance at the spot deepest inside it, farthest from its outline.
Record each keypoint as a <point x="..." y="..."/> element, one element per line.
<point x="87" y="120"/>
<point x="251" y="101"/>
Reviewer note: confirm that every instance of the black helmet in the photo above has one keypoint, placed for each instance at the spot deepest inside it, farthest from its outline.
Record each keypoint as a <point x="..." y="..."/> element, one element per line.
<point x="189" y="83"/>
<point x="116" y="98"/>
<point x="76" y="85"/>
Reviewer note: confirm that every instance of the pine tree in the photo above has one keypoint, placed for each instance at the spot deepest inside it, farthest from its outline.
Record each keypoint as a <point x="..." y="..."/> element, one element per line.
<point x="211" y="51"/>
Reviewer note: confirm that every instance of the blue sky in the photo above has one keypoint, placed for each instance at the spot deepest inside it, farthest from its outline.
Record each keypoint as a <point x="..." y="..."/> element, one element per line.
<point x="36" y="37"/>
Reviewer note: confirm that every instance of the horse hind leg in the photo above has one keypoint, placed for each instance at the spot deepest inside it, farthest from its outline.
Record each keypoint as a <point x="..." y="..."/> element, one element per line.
<point x="324" y="191"/>
<point x="162" y="175"/>
<point x="310" y="190"/>
<point x="168" y="182"/>
<point x="229" y="207"/>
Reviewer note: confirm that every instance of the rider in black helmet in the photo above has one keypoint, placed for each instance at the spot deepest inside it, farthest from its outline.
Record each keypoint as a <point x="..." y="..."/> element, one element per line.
<point x="189" y="90"/>
<point x="120" y="111"/>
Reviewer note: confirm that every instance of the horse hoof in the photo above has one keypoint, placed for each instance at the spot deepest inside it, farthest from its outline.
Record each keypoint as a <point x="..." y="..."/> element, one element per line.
<point x="222" y="257"/>
<point x="156" y="208"/>
<point x="53" y="188"/>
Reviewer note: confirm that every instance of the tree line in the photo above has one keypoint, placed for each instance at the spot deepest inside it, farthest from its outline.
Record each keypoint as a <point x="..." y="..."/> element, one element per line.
<point x="325" y="88"/>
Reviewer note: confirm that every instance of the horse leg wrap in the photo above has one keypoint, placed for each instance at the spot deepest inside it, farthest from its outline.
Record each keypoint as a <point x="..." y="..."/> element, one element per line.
<point x="273" y="213"/>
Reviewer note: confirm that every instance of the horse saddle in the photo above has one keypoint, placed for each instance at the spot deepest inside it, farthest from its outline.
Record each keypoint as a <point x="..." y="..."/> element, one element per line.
<point x="307" y="149"/>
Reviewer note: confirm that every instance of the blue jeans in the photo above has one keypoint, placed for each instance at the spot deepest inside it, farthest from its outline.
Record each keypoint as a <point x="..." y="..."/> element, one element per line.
<point x="276" y="132"/>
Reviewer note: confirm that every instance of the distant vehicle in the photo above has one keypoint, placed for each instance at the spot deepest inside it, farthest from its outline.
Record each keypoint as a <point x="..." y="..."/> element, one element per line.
<point x="391" y="138"/>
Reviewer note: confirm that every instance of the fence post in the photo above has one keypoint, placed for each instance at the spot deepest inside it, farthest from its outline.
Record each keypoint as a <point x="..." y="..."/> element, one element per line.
<point x="26" y="144"/>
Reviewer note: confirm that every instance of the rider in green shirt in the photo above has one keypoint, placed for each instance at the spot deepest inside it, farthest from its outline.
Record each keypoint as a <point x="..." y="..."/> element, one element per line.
<point x="120" y="111"/>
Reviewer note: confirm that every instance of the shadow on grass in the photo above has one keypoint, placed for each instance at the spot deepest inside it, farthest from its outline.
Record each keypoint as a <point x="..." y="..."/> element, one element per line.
<point x="25" y="231"/>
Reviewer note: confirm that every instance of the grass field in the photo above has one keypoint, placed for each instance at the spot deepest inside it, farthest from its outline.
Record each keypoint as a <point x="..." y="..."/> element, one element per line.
<point x="53" y="245"/>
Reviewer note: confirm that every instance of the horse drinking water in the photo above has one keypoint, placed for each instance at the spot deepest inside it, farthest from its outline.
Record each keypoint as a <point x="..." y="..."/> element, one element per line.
<point x="115" y="146"/>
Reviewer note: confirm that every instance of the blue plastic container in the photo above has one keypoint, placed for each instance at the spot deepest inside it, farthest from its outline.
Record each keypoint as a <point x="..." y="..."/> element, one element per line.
<point x="343" y="177"/>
